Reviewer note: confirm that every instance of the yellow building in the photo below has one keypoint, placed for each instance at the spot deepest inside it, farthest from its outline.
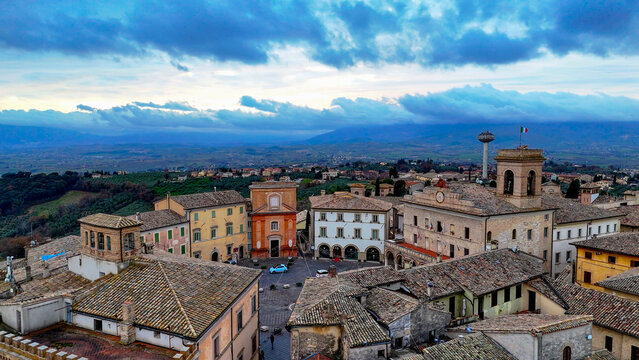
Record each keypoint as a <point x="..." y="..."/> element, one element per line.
<point x="601" y="258"/>
<point x="218" y="222"/>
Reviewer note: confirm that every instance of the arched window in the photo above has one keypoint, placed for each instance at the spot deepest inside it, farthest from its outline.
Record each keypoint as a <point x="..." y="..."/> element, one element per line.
<point x="337" y="251"/>
<point x="129" y="242"/>
<point x="530" y="185"/>
<point x="92" y="239"/>
<point x="514" y="234"/>
<point x="489" y="236"/>
<point x="215" y="256"/>
<point x="567" y="353"/>
<point x="100" y="241"/>
<point x="509" y="182"/>
<point x="274" y="202"/>
<point x="372" y="254"/>
<point x="350" y="252"/>
<point x="86" y="238"/>
<point x="324" y="251"/>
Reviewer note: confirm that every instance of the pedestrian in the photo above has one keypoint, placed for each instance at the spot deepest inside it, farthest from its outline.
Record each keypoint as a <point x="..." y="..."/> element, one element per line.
<point x="272" y="341"/>
<point x="261" y="354"/>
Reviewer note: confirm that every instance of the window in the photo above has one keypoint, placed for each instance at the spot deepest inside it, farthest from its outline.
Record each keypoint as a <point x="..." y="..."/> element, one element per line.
<point x="100" y="241"/>
<point x="86" y="238"/>
<point x="414" y="238"/>
<point x="340" y="232"/>
<point x="489" y="236"/>
<point x="358" y="217"/>
<point x="612" y="259"/>
<point x="493" y="298"/>
<point x="466" y="233"/>
<point x="634" y="263"/>
<point x="239" y="321"/>
<point x="452" y="250"/>
<point x="506" y="295"/>
<point x="340" y="217"/>
<point x="129" y="242"/>
<point x="587" y="277"/>
<point x="530" y="188"/>
<point x="213" y="232"/>
<point x="614" y="227"/>
<point x="426" y="222"/>
<point x="171" y="250"/>
<point x="229" y="229"/>
<point x="375" y="234"/>
<point x="518" y="291"/>
<point x="229" y="211"/>
<point x="568" y="255"/>
<point x="229" y="249"/>
<point x="545" y="255"/>
<point x="608" y="345"/>
<point x="466" y="251"/>
<point x="170" y="234"/>
<point x="546" y="217"/>
<point x="197" y="254"/>
<point x="529" y="234"/>
<point x="323" y="216"/>
<point x="546" y="232"/>
<point x="376" y="219"/>
<point x="274" y="202"/>
<point x="241" y="228"/>
<point x="569" y="234"/>
<point x="109" y="243"/>
<point x="322" y="232"/>
<point x="241" y="209"/>
<point x="509" y="180"/>
<point x="357" y="233"/>
<point x="451" y="305"/>
<point x="97" y="325"/>
<point x="196" y="235"/>
<point x="557" y="258"/>
<point x="216" y="347"/>
<point x="212" y="213"/>
<point x="440" y="228"/>
<point x="157" y="334"/>
<point x="415" y="220"/>
<point x="275" y="225"/>
<point x="195" y="217"/>
<point x="588" y="255"/>
<point x="589" y="230"/>
<point x="607" y="228"/>
<point x="253" y="304"/>
<point x="157" y="237"/>
<point x="182" y="231"/>
<point x="599" y="229"/>
<point x="579" y="233"/>
<point x="183" y="249"/>
<point x="381" y="353"/>
<point x="567" y="353"/>
<point x="92" y="239"/>
<point x="558" y="235"/>
<point x="514" y="234"/>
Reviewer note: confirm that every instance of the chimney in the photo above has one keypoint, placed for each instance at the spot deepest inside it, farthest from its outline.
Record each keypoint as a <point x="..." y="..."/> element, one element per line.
<point x="214" y="188"/>
<point x="45" y="271"/>
<point x="127" y="330"/>
<point x="332" y="271"/>
<point x="323" y="192"/>
<point x="27" y="270"/>
<point x="168" y="200"/>
<point x="137" y="216"/>
<point x="429" y="289"/>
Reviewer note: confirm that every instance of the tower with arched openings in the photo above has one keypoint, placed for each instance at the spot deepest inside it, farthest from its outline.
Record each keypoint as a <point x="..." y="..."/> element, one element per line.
<point x="519" y="176"/>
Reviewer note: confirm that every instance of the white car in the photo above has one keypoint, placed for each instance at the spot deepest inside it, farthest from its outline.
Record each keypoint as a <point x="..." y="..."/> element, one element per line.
<point x="321" y="273"/>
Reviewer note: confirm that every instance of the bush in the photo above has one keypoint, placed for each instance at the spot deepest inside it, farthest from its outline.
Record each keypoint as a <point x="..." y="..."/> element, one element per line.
<point x="299" y="284"/>
<point x="256" y="264"/>
<point x="263" y="267"/>
<point x="273" y="287"/>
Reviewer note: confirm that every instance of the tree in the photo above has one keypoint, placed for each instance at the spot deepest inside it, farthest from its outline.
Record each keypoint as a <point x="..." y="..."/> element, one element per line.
<point x="377" y="187"/>
<point x="399" y="189"/>
<point x="573" y="190"/>
<point x="393" y="172"/>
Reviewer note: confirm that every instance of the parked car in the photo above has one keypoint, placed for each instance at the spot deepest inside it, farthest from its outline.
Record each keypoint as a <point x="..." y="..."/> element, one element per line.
<point x="232" y="262"/>
<point x="321" y="273"/>
<point x="281" y="268"/>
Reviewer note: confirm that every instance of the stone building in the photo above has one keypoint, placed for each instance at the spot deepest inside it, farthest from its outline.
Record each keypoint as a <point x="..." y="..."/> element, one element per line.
<point x="385" y="189"/>
<point x="274" y="219"/>
<point x="166" y="230"/>
<point x="458" y="219"/>
<point x="344" y="225"/>
<point x="358" y="189"/>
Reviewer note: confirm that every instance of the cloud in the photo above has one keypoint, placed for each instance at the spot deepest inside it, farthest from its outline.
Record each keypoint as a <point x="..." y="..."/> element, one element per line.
<point x="339" y="34"/>
<point x="470" y="104"/>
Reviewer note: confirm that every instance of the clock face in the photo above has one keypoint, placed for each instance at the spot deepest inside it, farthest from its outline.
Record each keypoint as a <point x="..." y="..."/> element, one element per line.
<point x="440" y="197"/>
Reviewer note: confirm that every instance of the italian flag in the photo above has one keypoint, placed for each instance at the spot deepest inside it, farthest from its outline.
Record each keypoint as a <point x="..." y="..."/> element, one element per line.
<point x="523" y="130"/>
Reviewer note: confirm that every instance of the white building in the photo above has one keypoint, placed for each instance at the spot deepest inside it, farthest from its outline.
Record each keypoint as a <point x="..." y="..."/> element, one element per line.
<point x="574" y="221"/>
<point x="349" y="226"/>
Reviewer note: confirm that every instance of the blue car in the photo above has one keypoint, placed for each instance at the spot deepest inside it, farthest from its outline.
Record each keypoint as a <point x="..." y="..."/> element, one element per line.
<point x="281" y="268"/>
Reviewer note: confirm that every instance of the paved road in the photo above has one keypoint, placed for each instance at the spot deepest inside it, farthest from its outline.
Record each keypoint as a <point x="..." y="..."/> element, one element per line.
<point x="275" y="305"/>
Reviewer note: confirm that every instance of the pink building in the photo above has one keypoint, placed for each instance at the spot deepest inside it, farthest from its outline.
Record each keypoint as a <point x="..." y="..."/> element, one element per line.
<point x="166" y="229"/>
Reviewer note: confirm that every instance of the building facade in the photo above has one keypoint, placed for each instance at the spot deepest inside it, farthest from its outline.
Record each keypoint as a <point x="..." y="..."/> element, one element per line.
<point x="218" y="222"/>
<point x="274" y="219"/>
<point x="349" y="226"/>
<point x="166" y="230"/>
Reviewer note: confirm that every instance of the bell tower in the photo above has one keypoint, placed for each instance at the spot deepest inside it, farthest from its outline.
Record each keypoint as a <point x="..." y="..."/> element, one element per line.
<point x="519" y="176"/>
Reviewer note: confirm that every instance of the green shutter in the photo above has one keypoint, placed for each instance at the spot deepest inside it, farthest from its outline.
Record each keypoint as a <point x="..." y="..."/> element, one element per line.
<point x="157" y="237"/>
<point x="171" y="250"/>
<point x="183" y="249"/>
<point x="195" y="217"/>
<point x="241" y="228"/>
<point x="241" y="209"/>
<point x="213" y="213"/>
<point x="170" y="234"/>
<point x="182" y="231"/>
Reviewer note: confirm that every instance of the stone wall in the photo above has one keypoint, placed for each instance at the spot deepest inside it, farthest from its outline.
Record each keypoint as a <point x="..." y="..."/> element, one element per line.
<point x="553" y="344"/>
<point x="306" y="341"/>
<point x="424" y="320"/>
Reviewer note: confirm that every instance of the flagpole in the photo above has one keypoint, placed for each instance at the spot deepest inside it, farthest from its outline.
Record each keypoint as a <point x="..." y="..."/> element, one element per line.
<point x="520" y="136"/>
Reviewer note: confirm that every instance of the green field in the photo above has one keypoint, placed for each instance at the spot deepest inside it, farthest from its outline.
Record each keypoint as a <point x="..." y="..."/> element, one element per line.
<point x="69" y="198"/>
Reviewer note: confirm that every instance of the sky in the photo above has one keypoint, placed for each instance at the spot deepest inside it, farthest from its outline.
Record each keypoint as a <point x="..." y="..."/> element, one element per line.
<point x="308" y="67"/>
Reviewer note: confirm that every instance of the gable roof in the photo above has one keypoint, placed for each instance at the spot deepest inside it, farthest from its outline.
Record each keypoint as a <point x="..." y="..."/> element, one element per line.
<point x="159" y="218"/>
<point x="388" y="305"/>
<point x="36" y="290"/>
<point x="631" y="215"/>
<point x="209" y="199"/>
<point x="627" y="282"/>
<point x="348" y="201"/>
<point x="622" y="243"/>
<point x="109" y="221"/>
<point x="372" y="276"/>
<point x="480" y="273"/>
<point x="475" y="346"/>
<point x="531" y="323"/>
<point x="172" y="295"/>
<point x="608" y="311"/>
<point x="569" y="211"/>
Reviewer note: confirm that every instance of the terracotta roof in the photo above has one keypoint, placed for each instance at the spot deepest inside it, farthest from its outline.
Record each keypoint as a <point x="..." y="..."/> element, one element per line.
<point x="301" y="216"/>
<point x="170" y="294"/>
<point x="273" y="185"/>
<point x="533" y="323"/>
<point x="388" y="305"/>
<point x="627" y="282"/>
<point x="372" y="276"/>
<point x="631" y="217"/>
<point x="385" y="186"/>
<point x="476" y="346"/>
<point x="480" y="273"/>
<point x="316" y="290"/>
<point x="158" y="219"/>
<point x="602" y="355"/>
<point x="543" y="285"/>
<point x="573" y="211"/>
<point x="421" y="250"/>
<point x="37" y="290"/>
<point x="109" y="221"/>
<point x="605" y="199"/>
<point x="621" y="243"/>
<point x="340" y="201"/>
<point x="209" y="199"/>
<point x="608" y="311"/>
<point x="395" y="200"/>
